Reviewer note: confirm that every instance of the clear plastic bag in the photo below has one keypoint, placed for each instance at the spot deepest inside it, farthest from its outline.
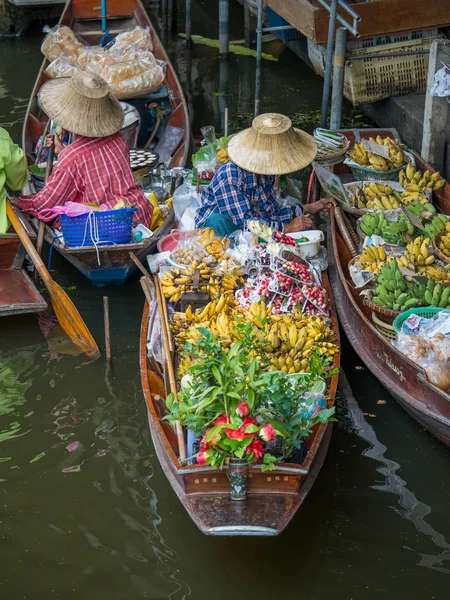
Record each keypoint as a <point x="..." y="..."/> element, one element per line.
<point x="184" y="197"/>
<point x="61" y="40"/>
<point x="138" y="36"/>
<point x="60" y="67"/>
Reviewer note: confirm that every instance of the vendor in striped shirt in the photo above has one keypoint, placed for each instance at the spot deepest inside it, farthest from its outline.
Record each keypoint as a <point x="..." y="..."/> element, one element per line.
<point x="95" y="168"/>
<point x="243" y="188"/>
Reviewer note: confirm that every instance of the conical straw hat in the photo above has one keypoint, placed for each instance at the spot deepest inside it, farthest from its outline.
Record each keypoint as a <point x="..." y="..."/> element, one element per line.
<point x="82" y="104"/>
<point x="271" y="146"/>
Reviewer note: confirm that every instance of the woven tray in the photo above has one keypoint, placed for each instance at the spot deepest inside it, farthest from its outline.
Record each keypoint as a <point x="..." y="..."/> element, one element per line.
<point x="386" y="312"/>
<point x="344" y="231"/>
<point x="351" y="187"/>
<point x="437" y="250"/>
<point x="328" y="157"/>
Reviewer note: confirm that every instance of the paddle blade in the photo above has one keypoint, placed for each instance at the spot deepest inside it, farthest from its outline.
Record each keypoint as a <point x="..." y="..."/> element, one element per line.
<point x="70" y="320"/>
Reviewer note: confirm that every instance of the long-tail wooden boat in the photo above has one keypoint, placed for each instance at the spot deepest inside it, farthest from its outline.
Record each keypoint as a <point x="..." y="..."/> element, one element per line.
<point x="274" y="497"/>
<point x="404" y="379"/>
<point x="18" y="294"/>
<point x="82" y="17"/>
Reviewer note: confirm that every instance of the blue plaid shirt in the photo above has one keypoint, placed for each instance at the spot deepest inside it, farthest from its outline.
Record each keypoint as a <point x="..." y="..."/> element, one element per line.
<point x="243" y="196"/>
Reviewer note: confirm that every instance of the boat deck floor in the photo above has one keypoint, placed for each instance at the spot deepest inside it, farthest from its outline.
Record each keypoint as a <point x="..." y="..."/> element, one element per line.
<point x="18" y="294"/>
<point x="114" y="26"/>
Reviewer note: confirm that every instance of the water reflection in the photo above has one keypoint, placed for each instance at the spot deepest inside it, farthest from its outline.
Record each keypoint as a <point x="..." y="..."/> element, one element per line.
<point x="410" y="507"/>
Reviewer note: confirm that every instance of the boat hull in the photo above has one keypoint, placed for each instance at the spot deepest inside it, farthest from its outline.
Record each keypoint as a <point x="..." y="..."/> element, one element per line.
<point x="407" y="383"/>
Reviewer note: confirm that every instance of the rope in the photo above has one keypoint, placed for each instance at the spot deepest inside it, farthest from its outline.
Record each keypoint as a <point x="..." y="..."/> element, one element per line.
<point x="94" y="234"/>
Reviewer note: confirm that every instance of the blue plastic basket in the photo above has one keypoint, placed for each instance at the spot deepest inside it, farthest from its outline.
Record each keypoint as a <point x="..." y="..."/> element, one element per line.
<point x="275" y="20"/>
<point x="98" y="228"/>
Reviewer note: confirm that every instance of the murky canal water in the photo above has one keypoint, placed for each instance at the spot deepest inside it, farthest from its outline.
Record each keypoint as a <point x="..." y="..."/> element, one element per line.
<point x="86" y="512"/>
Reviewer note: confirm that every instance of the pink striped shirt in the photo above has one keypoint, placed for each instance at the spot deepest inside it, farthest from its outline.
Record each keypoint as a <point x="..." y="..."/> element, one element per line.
<point x="94" y="171"/>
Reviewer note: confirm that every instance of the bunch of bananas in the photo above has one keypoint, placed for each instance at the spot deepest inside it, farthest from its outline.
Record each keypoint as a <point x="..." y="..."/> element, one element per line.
<point x="394" y="232"/>
<point x="416" y="254"/>
<point x="205" y="236"/>
<point x="436" y="225"/>
<point x="372" y="258"/>
<point x="413" y="180"/>
<point x="444" y="245"/>
<point x="435" y="272"/>
<point x="395" y="292"/>
<point x="376" y="196"/>
<point x="397" y="157"/>
<point x="292" y="338"/>
<point x="222" y="156"/>
<point x="175" y="283"/>
<point x="217" y="248"/>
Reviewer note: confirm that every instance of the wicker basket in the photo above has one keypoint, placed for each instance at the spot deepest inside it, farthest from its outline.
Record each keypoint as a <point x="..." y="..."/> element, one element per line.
<point x="366" y="174"/>
<point x="328" y="158"/>
<point x="385" y="312"/>
<point x="386" y="330"/>
<point x="437" y="250"/>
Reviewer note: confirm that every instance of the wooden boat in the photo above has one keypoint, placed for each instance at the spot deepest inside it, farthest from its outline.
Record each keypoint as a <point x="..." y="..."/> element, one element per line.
<point x="405" y="380"/>
<point x="116" y="265"/>
<point x="18" y="294"/>
<point x="274" y="497"/>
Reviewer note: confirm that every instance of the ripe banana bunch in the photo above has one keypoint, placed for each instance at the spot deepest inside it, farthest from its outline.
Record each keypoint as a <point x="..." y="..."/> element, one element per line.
<point x="444" y="245"/>
<point x="372" y="258"/>
<point x="396" y="153"/>
<point x="359" y="154"/>
<point x="217" y="248"/>
<point x="376" y="196"/>
<point x="379" y="163"/>
<point x="397" y="157"/>
<point x="205" y="236"/>
<point x="416" y="254"/>
<point x="222" y="156"/>
<point x="413" y="180"/>
<point x="435" y="272"/>
<point x="256" y="313"/>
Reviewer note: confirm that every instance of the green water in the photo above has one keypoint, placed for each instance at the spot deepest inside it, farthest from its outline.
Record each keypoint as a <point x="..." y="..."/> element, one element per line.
<point x="86" y="512"/>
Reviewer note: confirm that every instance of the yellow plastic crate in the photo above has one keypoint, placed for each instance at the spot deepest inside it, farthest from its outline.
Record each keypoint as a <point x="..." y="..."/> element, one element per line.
<point x="372" y="79"/>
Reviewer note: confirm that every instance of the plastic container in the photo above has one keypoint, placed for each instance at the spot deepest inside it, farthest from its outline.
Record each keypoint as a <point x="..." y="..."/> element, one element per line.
<point x="427" y="312"/>
<point x="171" y="241"/>
<point x="275" y="20"/>
<point x="312" y="247"/>
<point x="98" y="228"/>
<point x="372" y="79"/>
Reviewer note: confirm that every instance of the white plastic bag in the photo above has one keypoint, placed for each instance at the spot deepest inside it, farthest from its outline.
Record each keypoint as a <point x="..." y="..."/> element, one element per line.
<point x="185" y="197"/>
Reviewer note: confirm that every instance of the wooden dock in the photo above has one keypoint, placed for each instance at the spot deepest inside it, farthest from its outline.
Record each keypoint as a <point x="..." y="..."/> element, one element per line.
<point x="36" y="3"/>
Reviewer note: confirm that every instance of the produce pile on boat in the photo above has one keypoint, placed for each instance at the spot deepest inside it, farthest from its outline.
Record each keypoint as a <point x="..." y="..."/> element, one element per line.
<point x="128" y="66"/>
<point x="397" y="157"/>
<point x="413" y="180"/>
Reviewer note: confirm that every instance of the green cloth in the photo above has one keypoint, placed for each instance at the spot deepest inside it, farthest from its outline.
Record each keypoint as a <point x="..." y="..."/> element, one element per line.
<point x="222" y="224"/>
<point x="13" y="173"/>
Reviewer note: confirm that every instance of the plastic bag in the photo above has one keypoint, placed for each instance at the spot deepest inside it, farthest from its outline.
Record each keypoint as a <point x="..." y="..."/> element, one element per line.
<point x="438" y="373"/>
<point x="187" y="221"/>
<point x="138" y="36"/>
<point x="185" y="196"/>
<point x="60" y="67"/>
<point x="92" y="58"/>
<point x="60" y="40"/>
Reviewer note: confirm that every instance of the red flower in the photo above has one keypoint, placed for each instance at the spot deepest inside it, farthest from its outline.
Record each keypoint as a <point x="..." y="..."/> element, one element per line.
<point x="236" y="434"/>
<point x="202" y="457"/>
<point x="242" y="409"/>
<point x="249" y="421"/>
<point x="222" y="419"/>
<point x="257" y="448"/>
<point x="213" y="441"/>
<point x="267" y="433"/>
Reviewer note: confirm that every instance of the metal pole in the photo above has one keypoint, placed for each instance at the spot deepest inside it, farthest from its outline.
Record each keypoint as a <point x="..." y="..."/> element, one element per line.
<point x="223" y="27"/>
<point x="328" y="66"/>
<point x="188" y="23"/>
<point x="258" y="57"/>
<point x="338" y="78"/>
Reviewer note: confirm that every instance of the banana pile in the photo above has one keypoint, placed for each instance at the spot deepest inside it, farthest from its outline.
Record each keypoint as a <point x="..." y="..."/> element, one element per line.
<point x="286" y="342"/>
<point x="175" y="283"/>
<point x="416" y="254"/>
<point x="436" y="225"/>
<point x="444" y="245"/>
<point x="222" y="156"/>
<point x="393" y="232"/>
<point x="395" y="292"/>
<point x="397" y="157"/>
<point x="413" y="180"/>
<point x="372" y="258"/>
<point x="376" y="196"/>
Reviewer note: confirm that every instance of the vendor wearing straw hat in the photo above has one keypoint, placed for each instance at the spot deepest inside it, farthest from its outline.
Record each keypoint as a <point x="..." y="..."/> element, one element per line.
<point x="242" y="189"/>
<point x="95" y="168"/>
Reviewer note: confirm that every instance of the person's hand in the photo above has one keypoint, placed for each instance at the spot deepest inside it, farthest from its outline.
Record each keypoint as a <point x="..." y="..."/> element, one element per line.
<point x="55" y="140"/>
<point x="299" y="224"/>
<point x="323" y="205"/>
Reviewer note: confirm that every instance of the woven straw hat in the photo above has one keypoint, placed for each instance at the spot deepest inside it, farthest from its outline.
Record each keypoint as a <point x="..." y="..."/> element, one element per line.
<point x="271" y="146"/>
<point x="82" y="104"/>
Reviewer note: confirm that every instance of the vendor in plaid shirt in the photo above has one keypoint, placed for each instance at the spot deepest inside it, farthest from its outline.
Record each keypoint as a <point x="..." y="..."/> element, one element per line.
<point x="95" y="168"/>
<point x="243" y="189"/>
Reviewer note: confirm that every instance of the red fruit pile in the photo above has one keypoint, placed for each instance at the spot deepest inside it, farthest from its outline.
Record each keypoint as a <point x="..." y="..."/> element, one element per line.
<point x="297" y="271"/>
<point x="283" y="238"/>
<point x="317" y="296"/>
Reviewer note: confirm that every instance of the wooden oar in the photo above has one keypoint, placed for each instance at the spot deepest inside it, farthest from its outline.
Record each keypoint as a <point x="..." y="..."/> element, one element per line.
<point x="68" y="316"/>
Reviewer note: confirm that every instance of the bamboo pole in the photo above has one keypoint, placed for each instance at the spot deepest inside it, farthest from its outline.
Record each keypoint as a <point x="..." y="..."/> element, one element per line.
<point x="170" y="370"/>
<point x="164" y="305"/>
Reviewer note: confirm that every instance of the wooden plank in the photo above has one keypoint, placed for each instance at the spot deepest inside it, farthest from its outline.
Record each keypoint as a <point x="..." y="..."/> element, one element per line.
<point x="86" y="9"/>
<point x="380" y="17"/>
